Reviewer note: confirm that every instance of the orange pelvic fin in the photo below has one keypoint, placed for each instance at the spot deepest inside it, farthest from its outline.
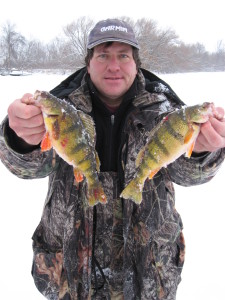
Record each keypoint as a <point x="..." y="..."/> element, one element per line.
<point x="46" y="143"/>
<point x="153" y="172"/>
<point x="189" y="135"/>
<point x="190" y="150"/>
<point x="78" y="175"/>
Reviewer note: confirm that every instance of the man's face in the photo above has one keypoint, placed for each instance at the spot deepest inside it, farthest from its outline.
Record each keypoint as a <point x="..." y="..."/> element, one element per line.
<point x="112" y="70"/>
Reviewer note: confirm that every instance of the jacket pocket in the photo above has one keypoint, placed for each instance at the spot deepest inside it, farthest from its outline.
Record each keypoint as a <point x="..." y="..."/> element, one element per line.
<point x="167" y="262"/>
<point x="47" y="268"/>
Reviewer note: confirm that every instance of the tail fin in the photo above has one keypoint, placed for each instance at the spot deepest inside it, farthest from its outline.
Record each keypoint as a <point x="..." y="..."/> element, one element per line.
<point x="95" y="195"/>
<point x="133" y="191"/>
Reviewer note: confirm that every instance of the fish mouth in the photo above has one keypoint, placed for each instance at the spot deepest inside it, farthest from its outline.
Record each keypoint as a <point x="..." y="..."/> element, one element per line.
<point x="46" y="115"/>
<point x="52" y="116"/>
<point x="204" y="113"/>
<point x="210" y="107"/>
<point x="203" y="119"/>
<point x="196" y="123"/>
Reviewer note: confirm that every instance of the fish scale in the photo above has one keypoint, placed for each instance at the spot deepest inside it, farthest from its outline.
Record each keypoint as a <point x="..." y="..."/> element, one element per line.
<point x="173" y="132"/>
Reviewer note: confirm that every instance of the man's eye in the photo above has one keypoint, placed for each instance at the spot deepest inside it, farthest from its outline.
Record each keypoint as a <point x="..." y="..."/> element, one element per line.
<point x="102" y="57"/>
<point x="124" y="57"/>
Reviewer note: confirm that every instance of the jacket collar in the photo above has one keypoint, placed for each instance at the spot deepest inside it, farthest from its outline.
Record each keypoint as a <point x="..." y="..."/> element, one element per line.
<point x="145" y="97"/>
<point x="81" y="96"/>
<point x="141" y="97"/>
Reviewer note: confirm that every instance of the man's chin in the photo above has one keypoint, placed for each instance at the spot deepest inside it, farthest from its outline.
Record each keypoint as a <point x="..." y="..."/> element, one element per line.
<point x="110" y="98"/>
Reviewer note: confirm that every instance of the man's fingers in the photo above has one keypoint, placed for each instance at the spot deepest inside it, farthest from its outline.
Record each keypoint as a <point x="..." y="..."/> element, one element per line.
<point x="219" y="126"/>
<point x="219" y="113"/>
<point x="34" y="139"/>
<point x="24" y="132"/>
<point x="32" y="122"/>
<point x="27" y="99"/>
<point x="212" y="132"/>
<point x="18" y="109"/>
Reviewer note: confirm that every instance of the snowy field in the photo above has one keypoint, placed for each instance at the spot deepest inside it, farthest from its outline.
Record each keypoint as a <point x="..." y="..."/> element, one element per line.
<point x="202" y="208"/>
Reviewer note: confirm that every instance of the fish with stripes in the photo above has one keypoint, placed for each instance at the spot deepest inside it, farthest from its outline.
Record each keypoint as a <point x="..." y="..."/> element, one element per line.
<point x="71" y="133"/>
<point x="174" y="136"/>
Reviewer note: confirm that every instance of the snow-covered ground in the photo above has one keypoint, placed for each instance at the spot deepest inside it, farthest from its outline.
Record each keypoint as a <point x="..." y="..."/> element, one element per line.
<point x="202" y="207"/>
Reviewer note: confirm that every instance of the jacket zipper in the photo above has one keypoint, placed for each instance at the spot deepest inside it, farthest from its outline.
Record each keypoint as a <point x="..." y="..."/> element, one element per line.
<point x="123" y="141"/>
<point x="112" y="121"/>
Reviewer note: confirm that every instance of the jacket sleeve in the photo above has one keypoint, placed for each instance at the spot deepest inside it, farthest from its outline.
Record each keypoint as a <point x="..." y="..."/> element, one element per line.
<point x="196" y="169"/>
<point x="30" y="165"/>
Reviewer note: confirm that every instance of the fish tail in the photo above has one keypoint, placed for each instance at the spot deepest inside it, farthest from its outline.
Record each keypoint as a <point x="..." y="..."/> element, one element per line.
<point x="133" y="191"/>
<point x="95" y="195"/>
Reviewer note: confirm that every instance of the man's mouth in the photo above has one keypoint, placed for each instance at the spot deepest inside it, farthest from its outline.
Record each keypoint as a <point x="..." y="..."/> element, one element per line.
<point x="113" y="78"/>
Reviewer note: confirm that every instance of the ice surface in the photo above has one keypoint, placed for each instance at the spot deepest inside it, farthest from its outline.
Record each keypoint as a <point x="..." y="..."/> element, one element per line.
<point x="201" y="207"/>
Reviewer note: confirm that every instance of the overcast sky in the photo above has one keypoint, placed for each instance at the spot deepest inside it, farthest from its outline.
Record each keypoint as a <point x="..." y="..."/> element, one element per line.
<point x="194" y="20"/>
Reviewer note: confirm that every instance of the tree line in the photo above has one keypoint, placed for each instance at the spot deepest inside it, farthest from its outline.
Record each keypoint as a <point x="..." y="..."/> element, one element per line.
<point x="161" y="49"/>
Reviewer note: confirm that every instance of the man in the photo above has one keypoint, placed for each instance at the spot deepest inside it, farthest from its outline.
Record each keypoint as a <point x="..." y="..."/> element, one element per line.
<point x="120" y="250"/>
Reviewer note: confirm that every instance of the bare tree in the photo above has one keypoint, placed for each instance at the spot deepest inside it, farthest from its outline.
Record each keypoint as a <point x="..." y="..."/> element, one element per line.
<point x="34" y="55"/>
<point x="11" y="41"/>
<point x="77" y="33"/>
<point x="219" y="56"/>
<point x="154" y="44"/>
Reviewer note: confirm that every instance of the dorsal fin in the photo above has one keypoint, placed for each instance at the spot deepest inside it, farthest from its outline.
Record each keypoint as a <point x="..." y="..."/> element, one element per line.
<point x="88" y="124"/>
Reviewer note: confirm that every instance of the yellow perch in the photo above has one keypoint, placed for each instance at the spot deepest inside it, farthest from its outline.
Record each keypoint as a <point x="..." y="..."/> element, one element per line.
<point x="172" y="137"/>
<point x="71" y="133"/>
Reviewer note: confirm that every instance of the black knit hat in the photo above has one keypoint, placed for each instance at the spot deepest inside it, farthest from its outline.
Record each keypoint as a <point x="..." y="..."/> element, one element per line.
<point x="112" y="30"/>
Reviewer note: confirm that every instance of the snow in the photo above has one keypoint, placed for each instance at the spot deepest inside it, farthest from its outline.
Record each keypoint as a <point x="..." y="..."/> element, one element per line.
<point x="201" y="207"/>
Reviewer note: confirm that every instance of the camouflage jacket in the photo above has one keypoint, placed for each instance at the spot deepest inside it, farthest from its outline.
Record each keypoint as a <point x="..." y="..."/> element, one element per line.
<point x="138" y="249"/>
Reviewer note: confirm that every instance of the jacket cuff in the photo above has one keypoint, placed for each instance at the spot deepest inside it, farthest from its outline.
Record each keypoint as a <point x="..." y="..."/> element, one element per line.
<point x="14" y="142"/>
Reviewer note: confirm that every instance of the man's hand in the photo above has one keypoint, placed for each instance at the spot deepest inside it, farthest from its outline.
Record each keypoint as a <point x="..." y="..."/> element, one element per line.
<point x="26" y="120"/>
<point x="212" y="134"/>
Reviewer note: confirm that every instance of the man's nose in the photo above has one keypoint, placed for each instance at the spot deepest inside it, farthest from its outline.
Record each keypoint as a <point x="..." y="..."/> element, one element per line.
<point x="113" y="64"/>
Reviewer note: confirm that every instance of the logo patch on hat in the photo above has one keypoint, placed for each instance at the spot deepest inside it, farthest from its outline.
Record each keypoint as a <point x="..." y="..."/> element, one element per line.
<point x="113" y="28"/>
